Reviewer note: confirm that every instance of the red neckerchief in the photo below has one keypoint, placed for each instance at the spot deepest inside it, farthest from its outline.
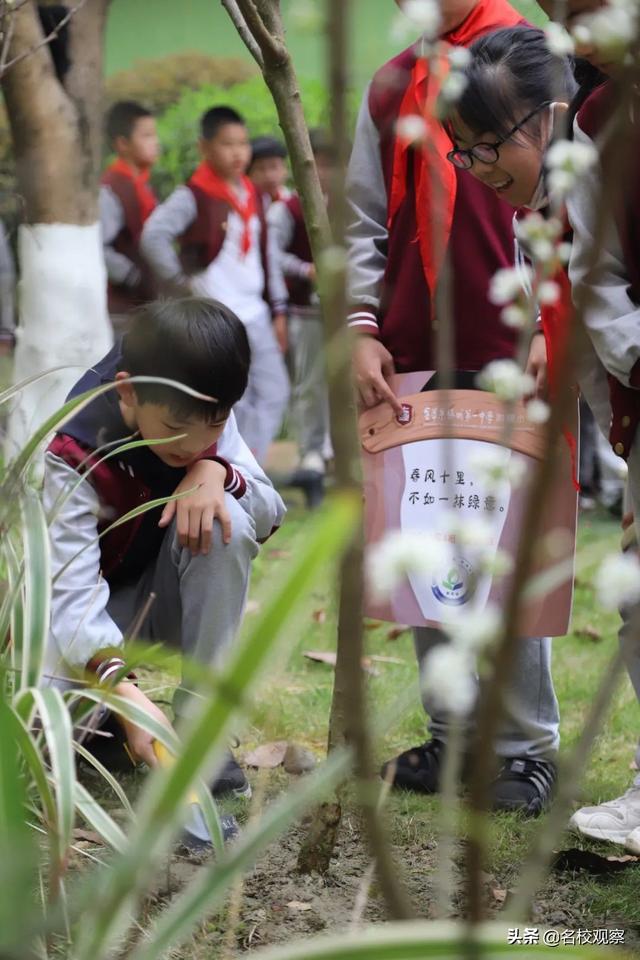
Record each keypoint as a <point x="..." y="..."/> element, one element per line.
<point x="434" y="211"/>
<point x="144" y="194"/>
<point x="214" y="186"/>
<point x="556" y="319"/>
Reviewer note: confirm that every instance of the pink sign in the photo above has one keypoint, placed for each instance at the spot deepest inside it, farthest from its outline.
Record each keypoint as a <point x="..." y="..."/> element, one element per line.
<point x="423" y="472"/>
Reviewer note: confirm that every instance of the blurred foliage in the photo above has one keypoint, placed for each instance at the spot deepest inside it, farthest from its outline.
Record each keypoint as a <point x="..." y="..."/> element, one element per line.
<point x="160" y="82"/>
<point x="178" y="127"/>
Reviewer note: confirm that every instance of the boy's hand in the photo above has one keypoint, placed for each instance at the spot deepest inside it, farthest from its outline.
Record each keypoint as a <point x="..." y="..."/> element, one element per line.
<point x="537" y="364"/>
<point x="372" y="365"/>
<point x="139" y="741"/>
<point x="196" y="512"/>
<point x="281" y="330"/>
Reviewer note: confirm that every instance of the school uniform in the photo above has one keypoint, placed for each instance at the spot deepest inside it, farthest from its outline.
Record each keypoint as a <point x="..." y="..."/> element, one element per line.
<point x="306" y="337"/>
<point x="395" y="265"/>
<point x="99" y="586"/>
<point x="609" y="355"/>
<point x="214" y="241"/>
<point x="126" y="202"/>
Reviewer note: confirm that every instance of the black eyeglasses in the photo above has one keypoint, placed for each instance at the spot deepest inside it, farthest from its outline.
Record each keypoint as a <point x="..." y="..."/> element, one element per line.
<point x="488" y="152"/>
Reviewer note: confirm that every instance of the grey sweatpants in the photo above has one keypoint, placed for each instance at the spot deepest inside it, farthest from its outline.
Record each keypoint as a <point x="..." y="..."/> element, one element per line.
<point x="310" y="398"/>
<point x="594" y="385"/>
<point x="531" y="718"/>
<point x="199" y="600"/>
<point x="260" y="411"/>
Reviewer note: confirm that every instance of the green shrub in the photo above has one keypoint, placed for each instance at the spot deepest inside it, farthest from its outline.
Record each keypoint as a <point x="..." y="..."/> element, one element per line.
<point x="178" y="126"/>
<point x="159" y="82"/>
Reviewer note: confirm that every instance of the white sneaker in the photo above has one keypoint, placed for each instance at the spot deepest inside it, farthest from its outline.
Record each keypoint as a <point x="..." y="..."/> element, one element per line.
<point x="632" y="843"/>
<point x="613" y="821"/>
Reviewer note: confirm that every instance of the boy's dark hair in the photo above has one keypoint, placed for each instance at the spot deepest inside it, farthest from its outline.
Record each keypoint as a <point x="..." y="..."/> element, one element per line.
<point x="263" y="148"/>
<point x="512" y="71"/>
<point x="198" y="342"/>
<point x="217" y="117"/>
<point x="321" y="143"/>
<point x="122" y="118"/>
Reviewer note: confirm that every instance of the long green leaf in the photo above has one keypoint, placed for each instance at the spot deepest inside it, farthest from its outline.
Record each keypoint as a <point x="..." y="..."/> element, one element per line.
<point x="37" y="588"/>
<point x="18" y="862"/>
<point x="58" y="733"/>
<point x="164" y="795"/>
<point x="106" y="775"/>
<point x="97" y="817"/>
<point x="35" y="763"/>
<point x="16" y="388"/>
<point x="425" y="941"/>
<point x="212" y="884"/>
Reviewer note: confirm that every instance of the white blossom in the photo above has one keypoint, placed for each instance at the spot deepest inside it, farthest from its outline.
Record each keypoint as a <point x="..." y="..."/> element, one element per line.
<point x="514" y="316"/>
<point x="506" y="380"/>
<point x="459" y="57"/>
<point x="498" y="564"/>
<point x="542" y="250"/>
<point x="421" y="14"/>
<point x="401" y="553"/>
<point x="507" y="284"/>
<point x="617" y="582"/>
<point x="448" y="678"/>
<point x="560" y="183"/>
<point x="571" y="155"/>
<point x="496" y="464"/>
<point x="559" y="42"/>
<point x="475" y="629"/>
<point x="538" y="411"/>
<point x="475" y="533"/>
<point x="454" y="86"/>
<point x="610" y="30"/>
<point x="412" y="128"/>
<point x="564" y="252"/>
<point x="548" y="292"/>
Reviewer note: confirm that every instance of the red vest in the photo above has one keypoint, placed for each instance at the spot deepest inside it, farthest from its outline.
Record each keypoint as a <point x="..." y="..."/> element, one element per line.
<point x="300" y="288"/>
<point x="201" y="243"/>
<point x="481" y="243"/>
<point x="121" y="298"/>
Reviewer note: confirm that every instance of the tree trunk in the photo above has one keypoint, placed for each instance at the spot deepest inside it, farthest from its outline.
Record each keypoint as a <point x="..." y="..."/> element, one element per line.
<point x="56" y="132"/>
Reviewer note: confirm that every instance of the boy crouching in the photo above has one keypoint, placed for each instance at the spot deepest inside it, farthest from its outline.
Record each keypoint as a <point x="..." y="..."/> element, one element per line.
<point x="194" y="554"/>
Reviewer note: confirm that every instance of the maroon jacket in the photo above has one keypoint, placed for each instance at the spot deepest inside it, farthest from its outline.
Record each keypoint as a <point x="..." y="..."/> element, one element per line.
<point x="300" y="289"/>
<point x="202" y="242"/>
<point x="121" y="297"/>
<point x="481" y="242"/>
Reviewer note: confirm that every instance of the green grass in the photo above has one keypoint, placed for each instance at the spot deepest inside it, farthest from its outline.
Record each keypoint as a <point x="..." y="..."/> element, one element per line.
<point x="293" y="704"/>
<point x="142" y="29"/>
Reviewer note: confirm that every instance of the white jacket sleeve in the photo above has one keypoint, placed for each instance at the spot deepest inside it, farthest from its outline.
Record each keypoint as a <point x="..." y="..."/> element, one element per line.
<point x="367" y="233"/>
<point x="611" y="317"/>
<point x="80" y="625"/>
<point x="256" y="494"/>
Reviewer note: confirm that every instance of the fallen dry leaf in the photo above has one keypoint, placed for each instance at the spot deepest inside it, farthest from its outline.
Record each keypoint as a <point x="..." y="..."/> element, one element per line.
<point x="371" y="624"/>
<point x="267" y="756"/>
<point x="253" y="606"/>
<point x="78" y="833"/>
<point x="325" y="656"/>
<point x="319" y="616"/>
<point x="298" y="759"/>
<point x="397" y="632"/>
<point x="298" y="905"/>
<point x="279" y="554"/>
<point x="590" y="633"/>
<point x="498" y="894"/>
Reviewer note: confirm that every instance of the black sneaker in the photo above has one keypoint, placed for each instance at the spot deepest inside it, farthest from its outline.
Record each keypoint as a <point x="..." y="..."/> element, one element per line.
<point x="418" y="768"/>
<point x="524" y="785"/>
<point x="231" y="779"/>
<point x="311" y="482"/>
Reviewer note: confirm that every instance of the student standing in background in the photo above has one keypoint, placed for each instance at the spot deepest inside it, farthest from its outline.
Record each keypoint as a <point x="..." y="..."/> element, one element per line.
<point x="210" y="238"/>
<point x="126" y="201"/>
<point x="268" y="170"/>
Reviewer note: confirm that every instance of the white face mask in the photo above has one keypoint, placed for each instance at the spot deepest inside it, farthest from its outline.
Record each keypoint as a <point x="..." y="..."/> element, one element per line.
<point x="540" y="198"/>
